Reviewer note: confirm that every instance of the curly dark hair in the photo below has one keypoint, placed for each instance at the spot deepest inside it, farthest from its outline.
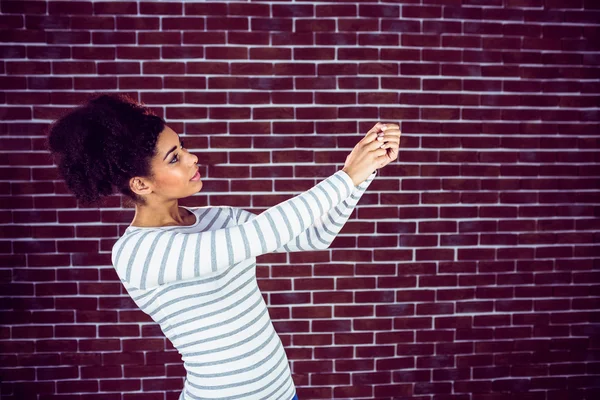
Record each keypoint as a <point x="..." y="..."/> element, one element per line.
<point x="102" y="144"/>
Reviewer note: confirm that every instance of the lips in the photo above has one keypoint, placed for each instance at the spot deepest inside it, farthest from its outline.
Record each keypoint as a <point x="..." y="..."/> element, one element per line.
<point x="196" y="176"/>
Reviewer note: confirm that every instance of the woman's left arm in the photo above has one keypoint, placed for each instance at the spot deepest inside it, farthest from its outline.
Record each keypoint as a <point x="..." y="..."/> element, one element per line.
<point x="320" y="234"/>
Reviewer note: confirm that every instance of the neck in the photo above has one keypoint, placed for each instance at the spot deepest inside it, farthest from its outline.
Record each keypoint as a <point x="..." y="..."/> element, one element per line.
<point x="159" y="215"/>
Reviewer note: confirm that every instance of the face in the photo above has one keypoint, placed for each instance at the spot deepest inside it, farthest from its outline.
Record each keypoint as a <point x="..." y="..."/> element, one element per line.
<point x="173" y="167"/>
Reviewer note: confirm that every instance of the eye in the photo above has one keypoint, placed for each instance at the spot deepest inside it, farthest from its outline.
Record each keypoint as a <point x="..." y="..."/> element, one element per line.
<point x="175" y="158"/>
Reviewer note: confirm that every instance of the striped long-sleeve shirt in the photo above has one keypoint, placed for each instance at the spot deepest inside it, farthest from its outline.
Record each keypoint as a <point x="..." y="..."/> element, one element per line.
<point x="198" y="282"/>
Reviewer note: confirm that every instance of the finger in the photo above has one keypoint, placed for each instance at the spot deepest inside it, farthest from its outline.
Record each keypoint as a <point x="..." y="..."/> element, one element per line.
<point x="379" y="126"/>
<point x="390" y="132"/>
<point x="379" y="153"/>
<point x="374" y="144"/>
<point x="374" y="132"/>
<point x="390" y="145"/>
<point x="376" y="128"/>
<point x="371" y="136"/>
<point x="388" y="138"/>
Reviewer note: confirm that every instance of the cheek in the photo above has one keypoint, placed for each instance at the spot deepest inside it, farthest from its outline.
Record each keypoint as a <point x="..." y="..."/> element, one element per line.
<point x="169" y="177"/>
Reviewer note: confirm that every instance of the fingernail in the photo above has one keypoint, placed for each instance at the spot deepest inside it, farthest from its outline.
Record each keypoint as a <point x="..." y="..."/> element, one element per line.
<point x="380" y="138"/>
<point x="383" y="127"/>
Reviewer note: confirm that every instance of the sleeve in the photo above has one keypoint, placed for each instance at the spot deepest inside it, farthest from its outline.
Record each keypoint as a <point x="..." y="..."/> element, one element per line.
<point x="145" y="259"/>
<point x="320" y="234"/>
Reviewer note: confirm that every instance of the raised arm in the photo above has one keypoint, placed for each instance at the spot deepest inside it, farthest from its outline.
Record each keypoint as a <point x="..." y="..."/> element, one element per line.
<point x="149" y="258"/>
<point x="319" y="235"/>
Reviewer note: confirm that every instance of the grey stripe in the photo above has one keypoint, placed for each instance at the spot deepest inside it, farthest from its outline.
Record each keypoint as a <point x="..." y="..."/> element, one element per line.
<point x="197" y="256"/>
<point x="319" y="236"/>
<point x="142" y="293"/>
<point x="148" y="259"/>
<point x="321" y="211"/>
<point x="260" y="236"/>
<point x="227" y="218"/>
<point x="180" y="260"/>
<point x="310" y="243"/>
<point x="229" y="245"/>
<point x="133" y="253"/>
<point x="337" y="210"/>
<point x="206" y="211"/>
<point x="213" y="255"/>
<point x="332" y="223"/>
<point x="213" y="251"/>
<point x="118" y="256"/>
<point x="298" y="215"/>
<point x="120" y="250"/>
<point x="344" y="182"/>
<point x="275" y="230"/>
<point x="217" y="213"/>
<point x="298" y="243"/>
<point x="248" y="215"/>
<point x="312" y="217"/>
<point x="163" y="263"/>
<point x="327" y="195"/>
<point x="287" y="222"/>
<point x="245" y="239"/>
<point x="336" y="190"/>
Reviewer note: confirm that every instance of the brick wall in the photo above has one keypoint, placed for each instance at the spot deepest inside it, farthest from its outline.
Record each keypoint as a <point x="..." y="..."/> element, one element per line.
<point x="469" y="270"/>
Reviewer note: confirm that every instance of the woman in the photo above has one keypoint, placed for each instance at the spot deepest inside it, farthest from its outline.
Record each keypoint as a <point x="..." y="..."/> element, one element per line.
<point x="192" y="269"/>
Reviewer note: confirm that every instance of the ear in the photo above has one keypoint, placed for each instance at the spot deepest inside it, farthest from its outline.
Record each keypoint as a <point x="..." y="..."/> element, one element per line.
<point x="139" y="186"/>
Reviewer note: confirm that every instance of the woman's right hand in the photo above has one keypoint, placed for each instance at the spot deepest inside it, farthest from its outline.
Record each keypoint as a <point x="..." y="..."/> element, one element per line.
<point x="366" y="157"/>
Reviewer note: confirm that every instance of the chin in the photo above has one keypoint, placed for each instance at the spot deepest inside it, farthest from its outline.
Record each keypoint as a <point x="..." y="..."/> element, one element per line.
<point x="198" y="185"/>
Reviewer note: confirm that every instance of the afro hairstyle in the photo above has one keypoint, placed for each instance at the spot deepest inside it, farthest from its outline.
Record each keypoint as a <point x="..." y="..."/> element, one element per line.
<point x="100" y="145"/>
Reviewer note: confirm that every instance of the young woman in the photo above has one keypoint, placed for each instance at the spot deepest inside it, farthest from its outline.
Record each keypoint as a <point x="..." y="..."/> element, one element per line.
<point x="192" y="269"/>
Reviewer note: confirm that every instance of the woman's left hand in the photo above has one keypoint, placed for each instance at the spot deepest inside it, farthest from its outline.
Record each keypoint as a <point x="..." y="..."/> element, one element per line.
<point x="390" y="135"/>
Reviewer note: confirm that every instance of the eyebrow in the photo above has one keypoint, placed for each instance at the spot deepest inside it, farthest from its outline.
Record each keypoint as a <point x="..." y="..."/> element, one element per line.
<point x="173" y="148"/>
